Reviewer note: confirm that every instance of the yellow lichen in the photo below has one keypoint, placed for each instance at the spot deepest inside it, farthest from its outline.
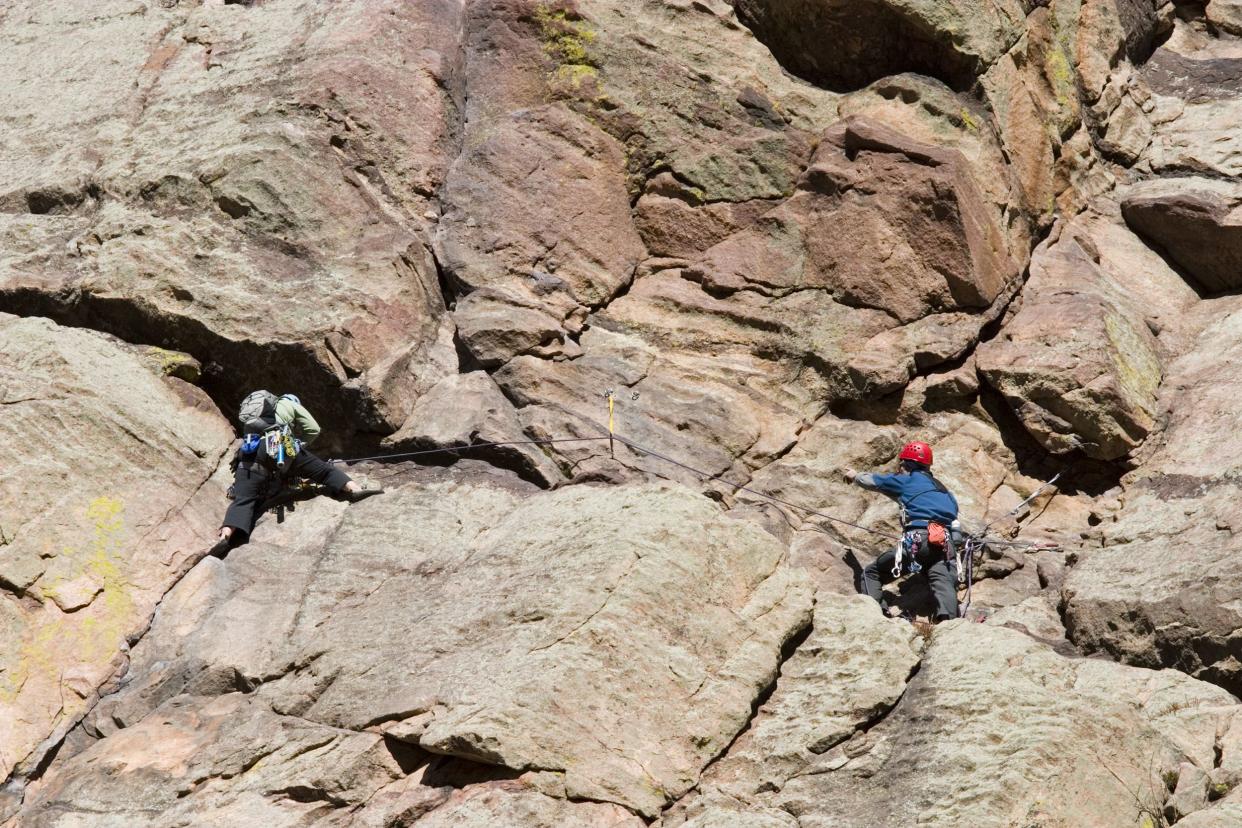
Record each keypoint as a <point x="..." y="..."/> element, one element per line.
<point x="574" y="75"/>
<point x="1137" y="366"/>
<point x="98" y="633"/>
<point x="565" y="39"/>
<point x="175" y="363"/>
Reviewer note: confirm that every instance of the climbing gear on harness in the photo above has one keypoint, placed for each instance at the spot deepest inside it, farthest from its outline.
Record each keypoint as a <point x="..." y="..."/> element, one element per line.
<point x="917" y="451"/>
<point x="257" y="412"/>
<point x="957" y="537"/>
<point x="908" y="549"/>
<point x="250" y="446"/>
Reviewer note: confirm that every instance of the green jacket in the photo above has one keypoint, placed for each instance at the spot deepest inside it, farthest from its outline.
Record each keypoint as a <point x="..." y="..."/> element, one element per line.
<point x="299" y="419"/>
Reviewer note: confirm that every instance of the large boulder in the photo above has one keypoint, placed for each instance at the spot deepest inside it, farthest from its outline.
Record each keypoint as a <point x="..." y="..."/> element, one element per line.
<point x="1078" y="365"/>
<point x="107" y="498"/>
<point x="1197" y="222"/>
<point x="1084" y="356"/>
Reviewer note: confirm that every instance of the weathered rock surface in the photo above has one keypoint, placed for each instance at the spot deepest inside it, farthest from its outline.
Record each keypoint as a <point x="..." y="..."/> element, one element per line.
<point x="1079" y="362"/>
<point x="467" y="409"/>
<point x="614" y="639"/>
<point x="243" y="182"/>
<point x="1161" y="593"/>
<point x="1196" y="222"/>
<point x="845" y="45"/>
<point x="1225" y="15"/>
<point x="105" y="501"/>
<point x="997" y="729"/>
<point x="790" y="315"/>
<point x="448" y="223"/>
<point x="846" y="676"/>
<point x="1187" y="92"/>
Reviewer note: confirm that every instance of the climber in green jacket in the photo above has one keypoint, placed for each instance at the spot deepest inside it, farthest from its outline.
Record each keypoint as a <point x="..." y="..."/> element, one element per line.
<point x="275" y="434"/>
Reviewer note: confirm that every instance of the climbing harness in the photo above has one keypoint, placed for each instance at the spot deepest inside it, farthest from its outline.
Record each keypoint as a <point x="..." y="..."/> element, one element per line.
<point x="906" y="561"/>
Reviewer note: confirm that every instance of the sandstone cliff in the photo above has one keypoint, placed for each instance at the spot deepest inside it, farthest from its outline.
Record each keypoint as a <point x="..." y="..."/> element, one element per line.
<point x="786" y="236"/>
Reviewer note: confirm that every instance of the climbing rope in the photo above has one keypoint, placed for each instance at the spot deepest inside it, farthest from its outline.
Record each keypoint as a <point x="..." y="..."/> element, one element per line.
<point x="974" y="543"/>
<point x="643" y="449"/>
<point x="705" y="475"/>
<point x="451" y="449"/>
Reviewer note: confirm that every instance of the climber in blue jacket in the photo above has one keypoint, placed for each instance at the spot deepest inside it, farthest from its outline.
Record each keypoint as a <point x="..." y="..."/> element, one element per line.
<point x="928" y="512"/>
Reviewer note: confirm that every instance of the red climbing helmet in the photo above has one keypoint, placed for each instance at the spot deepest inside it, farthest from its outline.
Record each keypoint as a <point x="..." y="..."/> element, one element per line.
<point x="918" y="452"/>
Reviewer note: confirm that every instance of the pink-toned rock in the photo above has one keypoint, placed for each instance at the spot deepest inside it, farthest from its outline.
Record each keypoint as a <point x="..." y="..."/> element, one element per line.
<point x="108" y="501"/>
<point x="569" y="214"/>
<point x="946" y="253"/>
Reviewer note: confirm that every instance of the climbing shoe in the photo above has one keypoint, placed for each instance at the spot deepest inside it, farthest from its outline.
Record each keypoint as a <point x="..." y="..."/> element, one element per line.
<point x="363" y="493"/>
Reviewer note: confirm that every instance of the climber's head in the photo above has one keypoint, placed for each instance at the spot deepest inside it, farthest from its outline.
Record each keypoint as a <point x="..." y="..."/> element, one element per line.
<point x="915" y="456"/>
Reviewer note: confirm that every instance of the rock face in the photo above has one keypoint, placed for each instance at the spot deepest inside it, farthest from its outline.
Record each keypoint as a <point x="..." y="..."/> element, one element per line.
<point x="1111" y="741"/>
<point x="1078" y="362"/>
<point x="662" y="617"/>
<point x="1160" y="592"/>
<point x="758" y="241"/>
<point x="245" y="182"/>
<point x="106" y="502"/>
<point x="847" y="675"/>
<point x="844" y="45"/>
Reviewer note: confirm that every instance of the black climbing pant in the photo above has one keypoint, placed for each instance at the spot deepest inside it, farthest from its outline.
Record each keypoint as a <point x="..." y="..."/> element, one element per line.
<point x="941" y="577"/>
<point x="254" y="483"/>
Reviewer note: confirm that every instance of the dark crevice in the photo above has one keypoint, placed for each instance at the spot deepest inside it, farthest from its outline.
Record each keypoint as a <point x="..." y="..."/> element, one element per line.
<point x="844" y="46"/>
<point x="505" y="458"/>
<point x="277" y="366"/>
<point x="54" y="201"/>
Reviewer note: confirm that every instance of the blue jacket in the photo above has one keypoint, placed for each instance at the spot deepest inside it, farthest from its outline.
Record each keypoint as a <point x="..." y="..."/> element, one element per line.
<point x="921" y="496"/>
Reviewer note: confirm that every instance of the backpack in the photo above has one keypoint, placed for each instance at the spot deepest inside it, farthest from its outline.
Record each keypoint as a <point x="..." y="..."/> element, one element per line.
<point x="257" y="412"/>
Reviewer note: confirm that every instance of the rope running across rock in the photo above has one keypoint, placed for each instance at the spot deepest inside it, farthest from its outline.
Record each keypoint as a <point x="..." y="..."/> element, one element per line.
<point x="699" y="472"/>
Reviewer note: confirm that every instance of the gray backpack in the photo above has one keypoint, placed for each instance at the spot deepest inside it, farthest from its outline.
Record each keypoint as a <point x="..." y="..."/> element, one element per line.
<point x="257" y="412"/>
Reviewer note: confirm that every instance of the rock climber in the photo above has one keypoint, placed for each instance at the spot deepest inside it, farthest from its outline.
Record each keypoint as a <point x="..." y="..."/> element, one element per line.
<point x="928" y="513"/>
<point x="275" y="433"/>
